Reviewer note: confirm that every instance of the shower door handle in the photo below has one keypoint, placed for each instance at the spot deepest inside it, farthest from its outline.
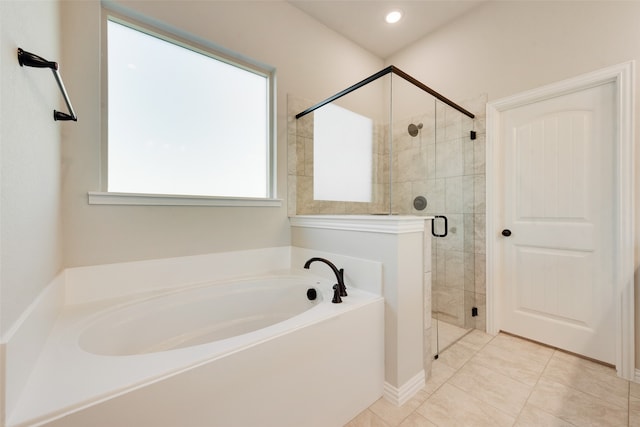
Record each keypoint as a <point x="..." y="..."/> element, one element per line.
<point x="433" y="226"/>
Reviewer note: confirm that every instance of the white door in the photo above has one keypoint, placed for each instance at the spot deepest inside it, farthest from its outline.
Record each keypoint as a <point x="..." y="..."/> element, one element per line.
<point x="558" y="204"/>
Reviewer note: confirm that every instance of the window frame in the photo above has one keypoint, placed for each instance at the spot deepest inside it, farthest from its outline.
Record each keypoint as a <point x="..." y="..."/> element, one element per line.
<point x="204" y="47"/>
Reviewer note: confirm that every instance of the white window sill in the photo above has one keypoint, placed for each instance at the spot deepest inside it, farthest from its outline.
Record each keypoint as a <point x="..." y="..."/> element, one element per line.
<point x="105" y="198"/>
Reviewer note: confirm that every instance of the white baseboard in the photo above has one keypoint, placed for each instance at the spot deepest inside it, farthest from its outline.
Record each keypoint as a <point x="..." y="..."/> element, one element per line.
<point x="400" y="395"/>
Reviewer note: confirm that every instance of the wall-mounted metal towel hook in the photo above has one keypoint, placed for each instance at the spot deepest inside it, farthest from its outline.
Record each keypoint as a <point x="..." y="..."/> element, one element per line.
<point x="32" y="60"/>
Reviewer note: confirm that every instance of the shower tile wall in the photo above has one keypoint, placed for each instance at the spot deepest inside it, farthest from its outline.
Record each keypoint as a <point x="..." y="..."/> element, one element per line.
<point x="413" y="162"/>
<point x="300" y="169"/>
<point x="442" y="164"/>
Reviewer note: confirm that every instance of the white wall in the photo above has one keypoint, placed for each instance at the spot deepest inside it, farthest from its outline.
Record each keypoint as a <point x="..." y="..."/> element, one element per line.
<point x="503" y="48"/>
<point x="312" y="62"/>
<point x="30" y="225"/>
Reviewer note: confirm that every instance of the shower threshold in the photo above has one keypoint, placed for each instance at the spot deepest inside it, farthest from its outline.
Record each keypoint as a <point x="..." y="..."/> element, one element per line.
<point x="446" y="335"/>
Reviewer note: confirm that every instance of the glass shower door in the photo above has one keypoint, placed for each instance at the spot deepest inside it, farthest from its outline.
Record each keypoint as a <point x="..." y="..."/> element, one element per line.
<point x="417" y="158"/>
<point x="453" y="196"/>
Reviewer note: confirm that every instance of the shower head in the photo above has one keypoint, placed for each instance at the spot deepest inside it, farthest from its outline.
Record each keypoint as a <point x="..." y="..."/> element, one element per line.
<point x="414" y="129"/>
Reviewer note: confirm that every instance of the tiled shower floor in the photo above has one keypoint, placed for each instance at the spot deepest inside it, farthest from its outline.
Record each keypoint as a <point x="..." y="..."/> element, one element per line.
<point x="445" y="334"/>
<point x="506" y="381"/>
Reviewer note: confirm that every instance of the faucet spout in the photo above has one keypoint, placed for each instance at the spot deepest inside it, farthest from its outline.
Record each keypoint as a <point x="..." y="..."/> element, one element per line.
<point x="340" y="288"/>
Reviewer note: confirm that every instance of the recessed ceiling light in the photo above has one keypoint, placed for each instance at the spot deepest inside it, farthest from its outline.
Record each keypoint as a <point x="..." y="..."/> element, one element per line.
<point x="393" y="16"/>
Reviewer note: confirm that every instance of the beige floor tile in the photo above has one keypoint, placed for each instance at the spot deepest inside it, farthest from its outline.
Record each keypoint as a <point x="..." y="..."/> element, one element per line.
<point x="440" y="372"/>
<point x="587" y="376"/>
<point x="392" y="414"/>
<point x="450" y="406"/>
<point x="634" y="389"/>
<point x="532" y="416"/>
<point x="575" y="406"/>
<point x="483" y="380"/>
<point x="457" y="355"/>
<point x="514" y="363"/>
<point x="634" y="411"/>
<point x="416" y="420"/>
<point x="367" y="419"/>
<point x="491" y="387"/>
<point x="591" y="365"/>
<point x="476" y="339"/>
<point x="445" y="334"/>
<point x="533" y="351"/>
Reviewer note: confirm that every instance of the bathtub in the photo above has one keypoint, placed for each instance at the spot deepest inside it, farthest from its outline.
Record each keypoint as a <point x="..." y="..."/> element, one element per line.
<point x="198" y="315"/>
<point x="257" y="351"/>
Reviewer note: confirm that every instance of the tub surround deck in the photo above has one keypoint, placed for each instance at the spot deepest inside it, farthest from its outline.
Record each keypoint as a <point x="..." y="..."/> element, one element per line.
<point x="73" y="385"/>
<point x="67" y="378"/>
<point x="386" y="224"/>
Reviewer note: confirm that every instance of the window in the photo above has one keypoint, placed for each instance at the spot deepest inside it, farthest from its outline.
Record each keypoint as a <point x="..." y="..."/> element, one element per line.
<point x="342" y="155"/>
<point x="184" y="121"/>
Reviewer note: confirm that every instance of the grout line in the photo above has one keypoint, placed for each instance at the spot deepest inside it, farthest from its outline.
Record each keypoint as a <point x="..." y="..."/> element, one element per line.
<point x="587" y="392"/>
<point x="526" y="402"/>
<point x="628" y="403"/>
<point x="539" y="375"/>
<point x="483" y="402"/>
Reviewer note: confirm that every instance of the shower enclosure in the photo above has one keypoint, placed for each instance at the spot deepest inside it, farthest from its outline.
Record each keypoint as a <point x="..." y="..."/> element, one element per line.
<point x="390" y="145"/>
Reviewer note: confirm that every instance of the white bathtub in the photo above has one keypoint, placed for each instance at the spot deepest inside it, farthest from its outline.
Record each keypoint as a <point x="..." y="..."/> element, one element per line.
<point x="253" y="352"/>
<point x="198" y="315"/>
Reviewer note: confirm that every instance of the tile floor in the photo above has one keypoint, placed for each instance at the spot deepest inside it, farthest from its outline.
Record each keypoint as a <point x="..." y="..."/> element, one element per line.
<point x="507" y="381"/>
<point x="445" y="334"/>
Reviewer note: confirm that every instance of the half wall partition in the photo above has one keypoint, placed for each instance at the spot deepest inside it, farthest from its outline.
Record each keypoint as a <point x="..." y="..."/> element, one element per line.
<point x="390" y="145"/>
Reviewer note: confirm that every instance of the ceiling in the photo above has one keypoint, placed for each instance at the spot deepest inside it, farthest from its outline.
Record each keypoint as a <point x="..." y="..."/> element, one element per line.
<point x="362" y="21"/>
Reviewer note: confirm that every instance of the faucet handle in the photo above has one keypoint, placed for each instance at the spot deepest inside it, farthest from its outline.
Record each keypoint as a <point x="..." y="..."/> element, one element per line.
<point x="336" y="294"/>
<point x="343" y="288"/>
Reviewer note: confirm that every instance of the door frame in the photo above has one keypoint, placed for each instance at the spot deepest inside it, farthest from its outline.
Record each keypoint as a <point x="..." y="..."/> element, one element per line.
<point x="622" y="75"/>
